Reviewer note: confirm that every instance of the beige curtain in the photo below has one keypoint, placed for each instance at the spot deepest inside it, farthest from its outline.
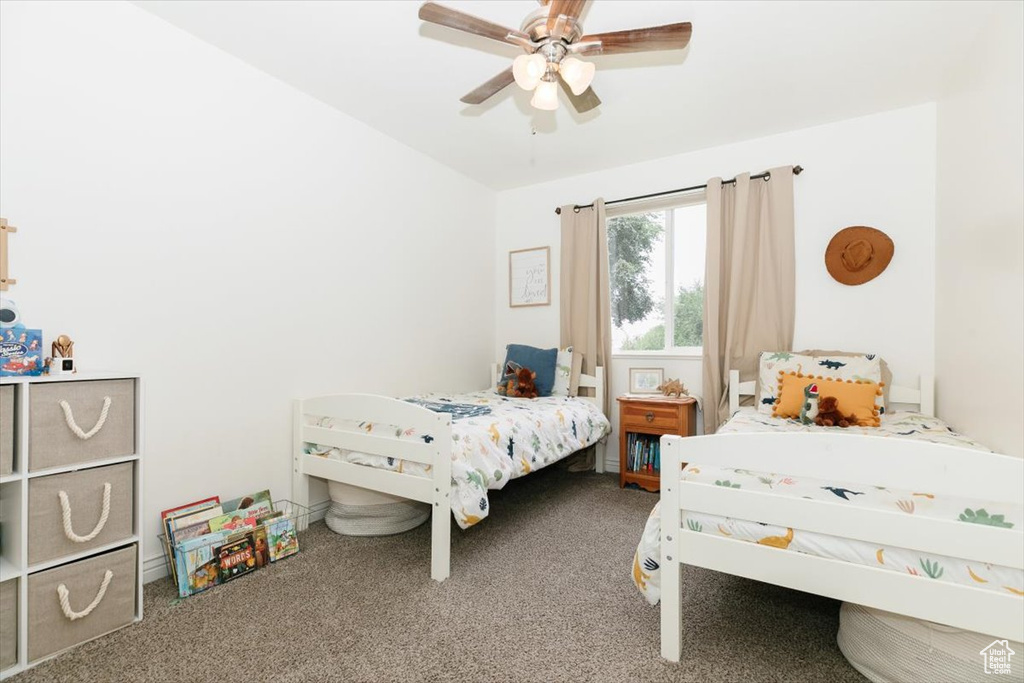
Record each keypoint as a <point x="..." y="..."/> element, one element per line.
<point x="585" y="292"/>
<point x="750" y="286"/>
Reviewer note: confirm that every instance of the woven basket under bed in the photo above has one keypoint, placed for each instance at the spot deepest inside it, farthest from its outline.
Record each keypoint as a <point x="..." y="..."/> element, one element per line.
<point x="892" y="648"/>
<point x="376" y="520"/>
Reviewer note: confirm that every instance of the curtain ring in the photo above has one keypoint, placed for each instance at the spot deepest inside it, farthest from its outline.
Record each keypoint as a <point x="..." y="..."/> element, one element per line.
<point x="767" y="176"/>
<point x="575" y="209"/>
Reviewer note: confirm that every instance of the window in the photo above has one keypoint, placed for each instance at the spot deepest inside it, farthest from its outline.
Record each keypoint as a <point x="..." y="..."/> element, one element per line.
<point x="652" y="253"/>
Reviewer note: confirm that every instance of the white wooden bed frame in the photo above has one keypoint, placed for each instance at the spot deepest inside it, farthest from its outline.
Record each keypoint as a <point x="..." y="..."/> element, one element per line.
<point x="868" y="460"/>
<point x="435" y="490"/>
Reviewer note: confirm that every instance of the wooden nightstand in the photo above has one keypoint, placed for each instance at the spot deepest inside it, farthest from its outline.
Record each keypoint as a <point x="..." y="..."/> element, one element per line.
<point x="642" y="421"/>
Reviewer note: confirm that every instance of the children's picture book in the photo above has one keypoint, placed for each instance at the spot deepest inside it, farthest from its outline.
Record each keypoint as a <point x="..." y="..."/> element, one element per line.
<point x="181" y="510"/>
<point x="254" y="504"/>
<point x="233" y="521"/>
<point x="190" y="507"/>
<point x="21" y="352"/>
<point x="263" y="519"/>
<point x="281" y="538"/>
<point x="193" y="531"/>
<point x="261" y="546"/>
<point x="197" y="563"/>
<point x="193" y="518"/>
<point x="237" y="556"/>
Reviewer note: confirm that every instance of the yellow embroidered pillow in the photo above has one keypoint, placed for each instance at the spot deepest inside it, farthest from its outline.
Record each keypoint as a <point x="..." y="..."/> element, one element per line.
<point x="855" y="397"/>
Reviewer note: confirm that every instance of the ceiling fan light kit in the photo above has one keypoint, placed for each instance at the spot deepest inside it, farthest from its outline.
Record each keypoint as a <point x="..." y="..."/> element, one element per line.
<point x="551" y="37"/>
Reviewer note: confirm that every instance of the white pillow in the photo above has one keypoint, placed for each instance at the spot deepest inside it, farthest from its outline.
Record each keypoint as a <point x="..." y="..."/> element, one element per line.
<point x="563" y="373"/>
<point x="867" y="368"/>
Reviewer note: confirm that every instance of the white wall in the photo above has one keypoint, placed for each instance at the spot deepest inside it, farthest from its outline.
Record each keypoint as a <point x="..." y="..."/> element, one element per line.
<point x="876" y="170"/>
<point x="980" y="238"/>
<point x="239" y="243"/>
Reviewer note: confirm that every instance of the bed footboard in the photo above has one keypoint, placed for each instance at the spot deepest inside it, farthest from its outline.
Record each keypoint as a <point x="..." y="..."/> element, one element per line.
<point x="434" y="451"/>
<point x="867" y="460"/>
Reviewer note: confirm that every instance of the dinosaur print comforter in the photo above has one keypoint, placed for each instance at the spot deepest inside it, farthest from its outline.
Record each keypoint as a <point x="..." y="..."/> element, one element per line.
<point x="900" y="424"/>
<point x="494" y="439"/>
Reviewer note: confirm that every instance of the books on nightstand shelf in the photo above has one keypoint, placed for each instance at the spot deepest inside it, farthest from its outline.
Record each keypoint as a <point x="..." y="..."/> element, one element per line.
<point x="643" y="452"/>
<point x="209" y="542"/>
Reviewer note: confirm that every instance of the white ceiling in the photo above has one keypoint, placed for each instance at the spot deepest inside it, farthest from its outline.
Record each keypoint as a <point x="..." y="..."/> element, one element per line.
<point x="752" y="69"/>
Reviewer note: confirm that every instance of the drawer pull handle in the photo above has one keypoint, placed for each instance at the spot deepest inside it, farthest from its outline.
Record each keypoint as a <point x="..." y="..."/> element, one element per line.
<point x="73" y="426"/>
<point x="65" y="604"/>
<point x="650" y="416"/>
<point x="65" y="510"/>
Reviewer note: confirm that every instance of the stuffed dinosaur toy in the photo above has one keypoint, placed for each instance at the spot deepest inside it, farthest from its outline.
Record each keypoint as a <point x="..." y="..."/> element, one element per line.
<point x="830" y="416"/>
<point x="809" y="409"/>
<point x="525" y="386"/>
<point x="509" y="379"/>
<point x="673" y="386"/>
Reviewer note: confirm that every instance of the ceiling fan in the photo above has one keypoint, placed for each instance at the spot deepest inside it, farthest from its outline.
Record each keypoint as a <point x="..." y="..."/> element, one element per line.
<point x="552" y="37"/>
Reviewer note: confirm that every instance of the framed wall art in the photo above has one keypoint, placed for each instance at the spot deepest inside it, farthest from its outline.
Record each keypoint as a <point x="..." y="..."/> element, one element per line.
<point x="645" y="380"/>
<point x="529" y="277"/>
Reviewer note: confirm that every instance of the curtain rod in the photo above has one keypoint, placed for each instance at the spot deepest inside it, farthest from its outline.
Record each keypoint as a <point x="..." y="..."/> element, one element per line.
<point x="576" y="207"/>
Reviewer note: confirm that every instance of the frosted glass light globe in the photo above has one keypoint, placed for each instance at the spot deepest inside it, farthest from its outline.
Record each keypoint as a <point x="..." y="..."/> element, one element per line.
<point x="528" y="70"/>
<point x="578" y="74"/>
<point x="546" y="96"/>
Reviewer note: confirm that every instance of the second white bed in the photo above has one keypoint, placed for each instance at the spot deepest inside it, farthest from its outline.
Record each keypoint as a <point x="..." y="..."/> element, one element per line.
<point x="903" y="425"/>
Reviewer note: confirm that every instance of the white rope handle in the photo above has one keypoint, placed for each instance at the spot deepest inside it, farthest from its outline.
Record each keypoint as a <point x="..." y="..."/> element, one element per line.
<point x="65" y="604"/>
<point x="73" y="426"/>
<point x="65" y="511"/>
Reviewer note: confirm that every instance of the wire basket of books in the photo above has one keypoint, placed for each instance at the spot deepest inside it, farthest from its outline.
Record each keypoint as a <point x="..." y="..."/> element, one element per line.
<point x="208" y="542"/>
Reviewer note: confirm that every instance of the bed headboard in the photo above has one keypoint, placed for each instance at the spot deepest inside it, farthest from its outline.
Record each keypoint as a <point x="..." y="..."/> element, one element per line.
<point x="595" y="382"/>
<point x="922" y="397"/>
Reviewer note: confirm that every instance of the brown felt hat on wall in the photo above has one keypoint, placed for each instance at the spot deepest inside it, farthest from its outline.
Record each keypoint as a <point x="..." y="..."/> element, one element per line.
<point x="858" y="254"/>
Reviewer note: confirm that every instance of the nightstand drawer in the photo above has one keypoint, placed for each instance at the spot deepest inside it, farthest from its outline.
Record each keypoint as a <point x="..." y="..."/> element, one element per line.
<point x="650" y="414"/>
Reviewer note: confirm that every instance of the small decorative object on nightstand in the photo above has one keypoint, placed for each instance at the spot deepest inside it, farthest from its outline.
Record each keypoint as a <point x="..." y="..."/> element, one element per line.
<point x="642" y="422"/>
<point x="63" y="361"/>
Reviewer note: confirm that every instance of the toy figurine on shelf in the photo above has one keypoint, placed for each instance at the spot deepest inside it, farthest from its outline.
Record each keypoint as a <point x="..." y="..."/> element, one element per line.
<point x="63" y="350"/>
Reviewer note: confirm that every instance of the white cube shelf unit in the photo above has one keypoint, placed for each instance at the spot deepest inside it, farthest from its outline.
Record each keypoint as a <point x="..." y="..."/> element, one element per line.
<point x="70" y="512"/>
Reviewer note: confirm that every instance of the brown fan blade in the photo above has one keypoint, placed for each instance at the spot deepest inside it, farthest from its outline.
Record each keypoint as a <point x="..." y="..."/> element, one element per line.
<point x="570" y="9"/>
<point x="489" y="88"/>
<point x="668" y="37"/>
<point x="453" y="18"/>
<point x="583" y="102"/>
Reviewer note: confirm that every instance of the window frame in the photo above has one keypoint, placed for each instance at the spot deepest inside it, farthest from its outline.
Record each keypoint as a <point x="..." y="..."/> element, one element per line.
<point x="667" y="206"/>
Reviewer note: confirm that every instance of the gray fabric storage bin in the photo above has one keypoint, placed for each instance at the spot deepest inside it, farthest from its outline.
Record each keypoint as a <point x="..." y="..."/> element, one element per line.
<point x="8" y="624"/>
<point x="52" y="443"/>
<point x="47" y="539"/>
<point x="6" y="429"/>
<point x="376" y="520"/>
<point x="50" y="631"/>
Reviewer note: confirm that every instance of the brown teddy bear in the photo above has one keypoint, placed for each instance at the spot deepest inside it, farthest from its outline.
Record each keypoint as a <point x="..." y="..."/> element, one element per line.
<point x="829" y="415"/>
<point x="525" y="387"/>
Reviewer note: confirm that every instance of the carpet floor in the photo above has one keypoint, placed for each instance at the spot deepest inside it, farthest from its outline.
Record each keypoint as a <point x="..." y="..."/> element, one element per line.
<point x="539" y="591"/>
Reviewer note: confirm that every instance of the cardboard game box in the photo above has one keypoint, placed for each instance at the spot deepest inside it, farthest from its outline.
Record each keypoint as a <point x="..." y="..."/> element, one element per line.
<point x="21" y="352"/>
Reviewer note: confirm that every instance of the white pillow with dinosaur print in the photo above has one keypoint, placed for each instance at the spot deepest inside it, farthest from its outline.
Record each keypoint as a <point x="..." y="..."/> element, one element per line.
<point x="867" y="368"/>
<point x="567" y="372"/>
